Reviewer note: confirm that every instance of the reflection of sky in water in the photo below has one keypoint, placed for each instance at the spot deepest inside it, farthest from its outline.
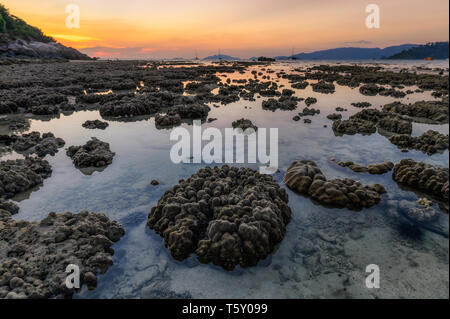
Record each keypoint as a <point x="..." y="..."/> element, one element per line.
<point x="142" y="265"/>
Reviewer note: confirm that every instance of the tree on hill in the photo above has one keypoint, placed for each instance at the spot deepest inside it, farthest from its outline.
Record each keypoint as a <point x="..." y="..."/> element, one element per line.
<point x="436" y="50"/>
<point x="14" y="28"/>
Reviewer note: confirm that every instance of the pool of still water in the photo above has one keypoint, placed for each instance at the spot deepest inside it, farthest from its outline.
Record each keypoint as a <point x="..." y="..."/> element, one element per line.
<point x="325" y="252"/>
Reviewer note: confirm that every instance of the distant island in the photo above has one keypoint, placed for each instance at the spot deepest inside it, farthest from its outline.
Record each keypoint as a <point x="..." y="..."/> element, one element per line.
<point x="349" y="53"/>
<point x="436" y="51"/>
<point x="20" y="40"/>
<point x="219" y="57"/>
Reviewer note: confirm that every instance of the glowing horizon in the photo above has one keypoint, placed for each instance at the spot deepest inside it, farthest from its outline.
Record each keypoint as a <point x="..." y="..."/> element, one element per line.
<point x="143" y="29"/>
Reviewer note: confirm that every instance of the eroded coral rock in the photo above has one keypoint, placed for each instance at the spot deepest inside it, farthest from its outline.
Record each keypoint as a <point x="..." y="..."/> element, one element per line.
<point x="307" y="179"/>
<point x="395" y="125"/>
<point x="167" y="120"/>
<point x="353" y="126"/>
<point x="430" y="142"/>
<point x="20" y="175"/>
<point x="422" y="177"/>
<point x="323" y="87"/>
<point x="229" y="216"/>
<point x="436" y="111"/>
<point x="94" y="153"/>
<point x="244" y="124"/>
<point x="97" y="124"/>
<point x="34" y="143"/>
<point x="379" y="168"/>
<point x="8" y="206"/>
<point x="36" y="254"/>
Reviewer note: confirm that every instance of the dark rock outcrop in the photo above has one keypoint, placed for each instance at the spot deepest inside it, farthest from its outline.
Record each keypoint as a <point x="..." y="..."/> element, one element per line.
<point x="435" y="111"/>
<point x="20" y="175"/>
<point x="96" y="124"/>
<point x="430" y="142"/>
<point x="36" y="254"/>
<point x="422" y="177"/>
<point x="94" y="153"/>
<point x="379" y="168"/>
<point x="244" y="124"/>
<point x="307" y="179"/>
<point x="229" y="216"/>
<point x="40" y="50"/>
<point x="167" y="120"/>
<point x="34" y="143"/>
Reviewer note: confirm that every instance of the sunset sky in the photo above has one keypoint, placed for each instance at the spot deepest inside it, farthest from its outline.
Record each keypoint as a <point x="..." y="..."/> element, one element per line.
<point x="243" y="28"/>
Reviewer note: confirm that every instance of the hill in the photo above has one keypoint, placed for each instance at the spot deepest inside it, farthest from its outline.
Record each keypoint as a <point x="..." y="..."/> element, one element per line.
<point x="21" y="40"/>
<point x="221" y="57"/>
<point x="13" y="28"/>
<point x="436" y="50"/>
<point x="351" y="53"/>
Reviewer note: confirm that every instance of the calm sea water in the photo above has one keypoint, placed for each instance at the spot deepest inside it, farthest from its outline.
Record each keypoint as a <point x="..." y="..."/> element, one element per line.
<point x="325" y="251"/>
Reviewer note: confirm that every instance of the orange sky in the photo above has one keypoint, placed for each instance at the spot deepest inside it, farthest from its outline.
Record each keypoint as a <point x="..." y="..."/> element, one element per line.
<point x="244" y="28"/>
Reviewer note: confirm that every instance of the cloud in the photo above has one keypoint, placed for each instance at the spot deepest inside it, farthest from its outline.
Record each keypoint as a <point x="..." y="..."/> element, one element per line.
<point x="73" y="38"/>
<point x="103" y="54"/>
<point x="364" y="42"/>
<point x="147" y="50"/>
<point x="108" y="51"/>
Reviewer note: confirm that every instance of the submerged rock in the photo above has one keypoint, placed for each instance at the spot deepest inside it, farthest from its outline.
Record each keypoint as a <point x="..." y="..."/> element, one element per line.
<point x="97" y="124"/>
<point x="20" y="175"/>
<point x="422" y="177"/>
<point x="422" y="214"/>
<point x="94" y="153"/>
<point x="307" y="179"/>
<point x="380" y="168"/>
<point x="229" y="216"/>
<point x="36" y="254"/>
<point x="430" y="142"/>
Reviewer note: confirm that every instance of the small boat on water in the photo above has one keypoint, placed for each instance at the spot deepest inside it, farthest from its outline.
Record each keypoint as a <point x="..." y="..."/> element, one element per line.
<point x="428" y="59"/>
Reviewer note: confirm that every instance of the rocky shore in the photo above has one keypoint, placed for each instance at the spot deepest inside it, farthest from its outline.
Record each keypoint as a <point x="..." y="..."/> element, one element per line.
<point x="34" y="255"/>
<point x="20" y="175"/>
<point x="39" y="50"/>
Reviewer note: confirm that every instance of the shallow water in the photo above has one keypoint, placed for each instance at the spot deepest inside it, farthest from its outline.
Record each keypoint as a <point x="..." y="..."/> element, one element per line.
<point x="413" y="261"/>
